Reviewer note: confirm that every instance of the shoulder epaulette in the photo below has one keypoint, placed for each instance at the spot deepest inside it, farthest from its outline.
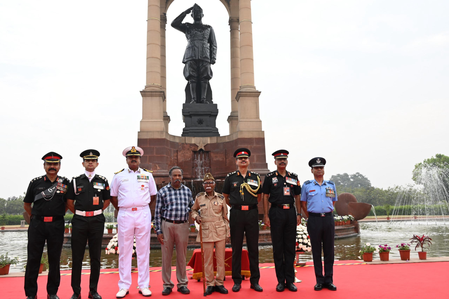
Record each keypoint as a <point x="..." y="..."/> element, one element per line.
<point x="119" y="171"/>
<point x="294" y="174"/>
<point x="330" y="182"/>
<point x="307" y="182"/>
<point x="75" y="177"/>
<point x="35" y="179"/>
<point x="270" y="173"/>
<point x="254" y="173"/>
<point x="102" y="177"/>
<point x="200" y="194"/>
<point x="220" y="195"/>
<point x="231" y="173"/>
<point x="147" y="170"/>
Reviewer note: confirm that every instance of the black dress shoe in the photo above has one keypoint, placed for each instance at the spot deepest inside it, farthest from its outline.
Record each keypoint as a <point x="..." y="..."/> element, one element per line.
<point x="32" y="297"/>
<point x="76" y="296"/>
<point x="291" y="287"/>
<point x="280" y="287"/>
<point x="209" y="290"/>
<point x="330" y="286"/>
<point x="166" y="291"/>
<point x="256" y="287"/>
<point x="318" y="287"/>
<point x="94" y="295"/>
<point x="236" y="287"/>
<point x="221" y="289"/>
<point x="52" y="296"/>
<point x="184" y="290"/>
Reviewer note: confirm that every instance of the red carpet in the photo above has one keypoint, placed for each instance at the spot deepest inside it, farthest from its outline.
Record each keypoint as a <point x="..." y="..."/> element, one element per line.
<point x="354" y="279"/>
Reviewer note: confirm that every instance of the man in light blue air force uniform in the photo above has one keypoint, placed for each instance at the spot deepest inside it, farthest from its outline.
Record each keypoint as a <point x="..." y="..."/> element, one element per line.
<point x="318" y="198"/>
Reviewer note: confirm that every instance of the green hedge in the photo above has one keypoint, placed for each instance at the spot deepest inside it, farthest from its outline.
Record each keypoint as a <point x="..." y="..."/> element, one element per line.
<point x="440" y="209"/>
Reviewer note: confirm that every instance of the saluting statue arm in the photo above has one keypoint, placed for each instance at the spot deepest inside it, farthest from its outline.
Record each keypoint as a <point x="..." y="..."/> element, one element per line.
<point x="177" y="22"/>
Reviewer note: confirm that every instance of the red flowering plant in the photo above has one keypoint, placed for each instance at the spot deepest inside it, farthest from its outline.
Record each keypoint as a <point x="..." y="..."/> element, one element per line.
<point x="384" y="248"/>
<point x="421" y="241"/>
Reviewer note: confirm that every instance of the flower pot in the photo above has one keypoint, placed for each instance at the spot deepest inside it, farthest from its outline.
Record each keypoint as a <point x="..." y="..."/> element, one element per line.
<point x="41" y="268"/>
<point x="422" y="255"/>
<point x="4" y="270"/>
<point x="110" y="230"/>
<point x="368" y="257"/>
<point x="405" y="255"/>
<point x="66" y="231"/>
<point x="192" y="229"/>
<point x="384" y="256"/>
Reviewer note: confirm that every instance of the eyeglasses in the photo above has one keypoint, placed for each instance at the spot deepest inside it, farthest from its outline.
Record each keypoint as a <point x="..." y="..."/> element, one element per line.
<point x="208" y="183"/>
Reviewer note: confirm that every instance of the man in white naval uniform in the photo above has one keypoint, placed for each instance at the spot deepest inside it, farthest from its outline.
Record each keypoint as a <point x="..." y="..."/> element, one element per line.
<point x="132" y="190"/>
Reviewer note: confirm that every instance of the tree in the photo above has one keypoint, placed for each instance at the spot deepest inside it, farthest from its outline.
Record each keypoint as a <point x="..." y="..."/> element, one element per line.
<point x="433" y="174"/>
<point x="356" y="180"/>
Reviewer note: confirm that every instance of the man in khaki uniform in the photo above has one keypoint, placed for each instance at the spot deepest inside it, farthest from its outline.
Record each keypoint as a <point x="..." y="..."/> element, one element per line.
<point x="210" y="211"/>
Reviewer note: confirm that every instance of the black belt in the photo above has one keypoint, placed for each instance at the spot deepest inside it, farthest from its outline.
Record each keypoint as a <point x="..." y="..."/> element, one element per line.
<point x="320" y="214"/>
<point x="47" y="218"/>
<point x="174" y="221"/>
<point x="285" y="206"/>
<point x="244" y="207"/>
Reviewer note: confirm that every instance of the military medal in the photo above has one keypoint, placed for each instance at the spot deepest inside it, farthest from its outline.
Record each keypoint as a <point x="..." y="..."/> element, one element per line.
<point x="98" y="186"/>
<point x="96" y="200"/>
<point x="291" y="181"/>
<point x="274" y="180"/>
<point x="330" y="192"/>
<point x="253" y="183"/>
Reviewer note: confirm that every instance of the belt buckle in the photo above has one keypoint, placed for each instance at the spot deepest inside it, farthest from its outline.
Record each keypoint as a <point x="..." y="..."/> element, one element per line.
<point x="89" y="213"/>
<point x="134" y="209"/>
<point x="286" y="206"/>
<point x="323" y="214"/>
<point x="48" y="219"/>
<point x="244" y="208"/>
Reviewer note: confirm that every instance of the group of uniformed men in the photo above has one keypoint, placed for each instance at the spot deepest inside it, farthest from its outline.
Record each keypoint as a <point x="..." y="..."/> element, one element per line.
<point x="133" y="188"/>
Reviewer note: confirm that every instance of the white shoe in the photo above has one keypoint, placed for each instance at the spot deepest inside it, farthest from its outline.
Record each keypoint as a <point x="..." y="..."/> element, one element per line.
<point x="122" y="293"/>
<point x="145" y="292"/>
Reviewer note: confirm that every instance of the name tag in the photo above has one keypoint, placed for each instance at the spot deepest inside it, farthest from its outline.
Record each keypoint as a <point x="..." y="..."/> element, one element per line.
<point x="253" y="183"/>
<point x="99" y="186"/>
<point x="96" y="200"/>
<point x="291" y="181"/>
<point x="286" y="191"/>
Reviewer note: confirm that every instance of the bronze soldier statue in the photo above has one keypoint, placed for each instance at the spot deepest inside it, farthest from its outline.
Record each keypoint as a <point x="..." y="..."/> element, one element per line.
<point x="200" y="53"/>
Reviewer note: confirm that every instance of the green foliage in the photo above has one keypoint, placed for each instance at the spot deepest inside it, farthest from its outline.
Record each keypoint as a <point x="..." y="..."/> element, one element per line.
<point x="12" y="205"/>
<point x="433" y="172"/>
<point x="6" y="260"/>
<point x="367" y="248"/>
<point x="417" y="210"/>
<point x="356" y="180"/>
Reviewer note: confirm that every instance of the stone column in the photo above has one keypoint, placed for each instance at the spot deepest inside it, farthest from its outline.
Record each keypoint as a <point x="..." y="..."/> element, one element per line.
<point x="164" y="68"/>
<point x="153" y="96"/>
<point x="235" y="73"/>
<point x="247" y="97"/>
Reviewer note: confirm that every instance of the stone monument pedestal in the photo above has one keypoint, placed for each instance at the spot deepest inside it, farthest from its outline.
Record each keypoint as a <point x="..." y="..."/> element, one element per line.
<point x="200" y="120"/>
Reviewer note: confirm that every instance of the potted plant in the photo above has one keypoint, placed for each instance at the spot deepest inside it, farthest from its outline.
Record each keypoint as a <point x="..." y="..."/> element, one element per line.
<point x="66" y="229"/>
<point x="110" y="227"/>
<point x="421" y="242"/>
<point x="6" y="262"/>
<point x="384" y="252"/>
<point x="366" y="252"/>
<point x="404" y="251"/>
<point x="192" y="227"/>
<point x="44" y="264"/>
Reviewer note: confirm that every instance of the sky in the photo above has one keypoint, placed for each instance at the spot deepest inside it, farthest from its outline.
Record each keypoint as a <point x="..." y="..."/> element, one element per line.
<point x="363" y="84"/>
